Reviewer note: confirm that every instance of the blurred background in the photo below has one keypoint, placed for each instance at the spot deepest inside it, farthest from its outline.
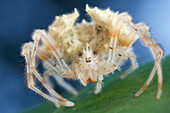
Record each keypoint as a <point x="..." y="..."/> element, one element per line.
<point x="19" y="18"/>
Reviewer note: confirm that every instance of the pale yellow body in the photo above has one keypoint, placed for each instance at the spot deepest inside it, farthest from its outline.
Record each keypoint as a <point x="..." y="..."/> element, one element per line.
<point x="94" y="49"/>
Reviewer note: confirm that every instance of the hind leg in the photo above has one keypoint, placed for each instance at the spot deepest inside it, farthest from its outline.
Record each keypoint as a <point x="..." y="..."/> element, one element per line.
<point x="157" y="53"/>
<point x="61" y="82"/>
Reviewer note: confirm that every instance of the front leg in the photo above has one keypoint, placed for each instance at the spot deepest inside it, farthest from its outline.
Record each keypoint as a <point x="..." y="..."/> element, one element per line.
<point x="60" y="82"/>
<point x="29" y="51"/>
<point x="99" y="84"/>
<point x="49" y="42"/>
<point x="115" y="35"/>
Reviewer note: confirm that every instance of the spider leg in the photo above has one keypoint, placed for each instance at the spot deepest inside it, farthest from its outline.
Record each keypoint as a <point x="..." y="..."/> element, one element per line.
<point x="80" y="76"/>
<point x="99" y="84"/>
<point x="112" y="49"/>
<point x="147" y="82"/>
<point x="61" y="82"/>
<point x="53" y="65"/>
<point x="134" y="65"/>
<point x="36" y="38"/>
<point x="51" y="85"/>
<point x="114" y="39"/>
<point x="156" y="51"/>
<point x="57" y="70"/>
<point x="124" y="51"/>
<point x="26" y="52"/>
<point x="49" y="42"/>
<point x="50" y="62"/>
<point x="65" y="85"/>
<point x="123" y="18"/>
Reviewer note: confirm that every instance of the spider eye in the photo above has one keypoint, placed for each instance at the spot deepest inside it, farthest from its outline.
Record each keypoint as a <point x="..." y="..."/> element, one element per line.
<point x="88" y="60"/>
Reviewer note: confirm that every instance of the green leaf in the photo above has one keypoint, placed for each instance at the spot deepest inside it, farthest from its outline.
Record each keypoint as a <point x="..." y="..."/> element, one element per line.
<point x="117" y="95"/>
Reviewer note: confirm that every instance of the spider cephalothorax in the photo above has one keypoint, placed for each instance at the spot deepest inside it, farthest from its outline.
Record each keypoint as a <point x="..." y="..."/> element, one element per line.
<point x="94" y="49"/>
<point x="87" y="66"/>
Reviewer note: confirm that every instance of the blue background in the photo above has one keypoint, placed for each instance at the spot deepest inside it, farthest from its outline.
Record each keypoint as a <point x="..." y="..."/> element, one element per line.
<point x="19" y="18"/>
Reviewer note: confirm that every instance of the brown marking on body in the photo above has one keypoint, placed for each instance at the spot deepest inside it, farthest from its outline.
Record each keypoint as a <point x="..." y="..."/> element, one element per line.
<point x="94" y="52"/>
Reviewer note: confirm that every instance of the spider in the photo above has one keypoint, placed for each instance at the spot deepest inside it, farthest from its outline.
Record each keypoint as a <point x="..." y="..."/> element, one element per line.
<point x="94" y="49"/>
